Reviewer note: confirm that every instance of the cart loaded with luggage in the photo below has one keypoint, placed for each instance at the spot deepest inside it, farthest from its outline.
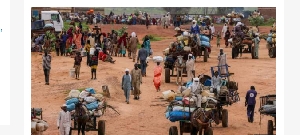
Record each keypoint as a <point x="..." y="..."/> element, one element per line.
<point x="38" y="125"/>
<point x="196" y="109"/>
<point x="268" y="107"/>
<point x="94" y="105"/>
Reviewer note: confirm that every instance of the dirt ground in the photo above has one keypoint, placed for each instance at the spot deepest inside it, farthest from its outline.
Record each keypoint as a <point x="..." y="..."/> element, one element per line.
<point x="139" y="117"/>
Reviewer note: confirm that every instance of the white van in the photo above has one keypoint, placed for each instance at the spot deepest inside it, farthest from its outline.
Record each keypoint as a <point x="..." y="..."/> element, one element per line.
<point x="56" y="19"/>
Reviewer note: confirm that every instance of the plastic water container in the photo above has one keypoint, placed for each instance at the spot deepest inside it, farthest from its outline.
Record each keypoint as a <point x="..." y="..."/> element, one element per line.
<point x="72" y="72"/>
<point x="92" y="51"/>
<point x="166" y="94"/>
<point x="83" y="53"/>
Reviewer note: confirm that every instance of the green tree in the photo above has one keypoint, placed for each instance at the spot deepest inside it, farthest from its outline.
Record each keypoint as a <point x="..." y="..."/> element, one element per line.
<point x="177" y="10"/>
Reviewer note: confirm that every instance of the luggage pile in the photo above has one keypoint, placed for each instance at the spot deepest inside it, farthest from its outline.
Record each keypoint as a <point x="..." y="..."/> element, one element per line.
<point x="38" y="126"/>
<point x="268" y="109"/>
<point x="92" y="101"/>
<point x="184" y="102"/>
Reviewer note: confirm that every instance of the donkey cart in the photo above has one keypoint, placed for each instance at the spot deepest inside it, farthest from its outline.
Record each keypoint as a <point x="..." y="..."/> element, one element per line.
<point x="268" y="107"/>
<point x="100" y="127"/>
<point x="175" y="62"/>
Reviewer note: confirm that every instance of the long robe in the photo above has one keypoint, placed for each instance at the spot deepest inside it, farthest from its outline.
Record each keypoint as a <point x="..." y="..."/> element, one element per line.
<point x="77" y="39"/>
<point x="64" y="122"/>
<point x="224" y="29"/>
<point x="190" y="66"/>
<point x="136" y="81"/>
<point x="133" y="42"/>
<point x="157" y="76"/>
<point x="147" y="45"/>
<point x="126" y="85"/>
<point x="222" y="62"/>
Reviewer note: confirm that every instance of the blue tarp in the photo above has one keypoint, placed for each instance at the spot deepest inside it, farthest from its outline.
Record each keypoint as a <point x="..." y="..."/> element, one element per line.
<point x="207" y="82"/>
<point x="92" y="106"/>
<point x="204" y="43"/>
<point x="71" y="107"/>
<point x="179" y="115"/>
<point x="90" y="90"/>
<point x="72" y="100"/>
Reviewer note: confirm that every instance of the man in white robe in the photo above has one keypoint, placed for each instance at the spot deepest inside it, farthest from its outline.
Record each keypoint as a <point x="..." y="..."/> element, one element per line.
<point x="190" y="68"/>
<point x="216" y="82"/>
<point x="64" y="121"/>
<point x="196" y="86"/>
<point x="222" y="62"/>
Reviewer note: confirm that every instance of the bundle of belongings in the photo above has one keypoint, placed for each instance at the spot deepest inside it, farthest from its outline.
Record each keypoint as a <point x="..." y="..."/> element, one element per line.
<point x="38" y="126"/>
<point x="158" y="59"/>
<point x="92" y="102"/>
<point x="268" y="109"/>
<point x="186" y="100"/>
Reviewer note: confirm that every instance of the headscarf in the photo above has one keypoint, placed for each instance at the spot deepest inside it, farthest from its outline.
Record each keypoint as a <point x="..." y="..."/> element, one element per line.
<point x="133" y="34"/>
<point x="128" y="74"/>
<point x="194" y="25"/>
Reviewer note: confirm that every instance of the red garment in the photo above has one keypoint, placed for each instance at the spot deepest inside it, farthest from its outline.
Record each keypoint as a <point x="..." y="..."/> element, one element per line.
<point x="122" y="39"/>
<point x="70" y="35"/>
<point x="100" y="55"/>
<point x="104" y="57"/>
<point x="104" y="34"/>
<point x="157" y="76"/>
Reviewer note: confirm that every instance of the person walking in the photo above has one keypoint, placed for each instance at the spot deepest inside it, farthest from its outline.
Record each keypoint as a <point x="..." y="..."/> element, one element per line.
<point x="57" y="46"/>
<point x="157" y="76"/>
<point x="222" y="58"/>
<point x="46" y="66"/>
<point x="126" y="84"/>
<point x="133" y="42"/>
<point x="142" y="56"/>
<point x="250" y="103"/>
<point x="136" y="75"/>
<point x="190" y="67"/>
<point x="256" y="45"/>
<point x="93" y="65"/>
<point x="87" y="48"/>
<point x="77" y="64"/>
<point x="64" y="121"/>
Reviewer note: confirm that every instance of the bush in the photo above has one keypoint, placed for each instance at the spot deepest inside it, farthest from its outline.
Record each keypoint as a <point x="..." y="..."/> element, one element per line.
<point x="153" y="38"/>
<point x="260" y="21"/>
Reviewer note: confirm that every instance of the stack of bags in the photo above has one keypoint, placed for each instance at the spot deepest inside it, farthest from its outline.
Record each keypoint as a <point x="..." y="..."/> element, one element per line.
<point x="204" y="40"/>
<point x="38" y="127"/>
<point x="88" y="97"/>
<point x="158" y="59"/>
<point x="184" y="102"/>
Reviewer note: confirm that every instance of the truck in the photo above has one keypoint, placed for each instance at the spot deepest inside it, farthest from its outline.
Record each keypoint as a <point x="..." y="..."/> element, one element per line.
<point x="56" y="19"/>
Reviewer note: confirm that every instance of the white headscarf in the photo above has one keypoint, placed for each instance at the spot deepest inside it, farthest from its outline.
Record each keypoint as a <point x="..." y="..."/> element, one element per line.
<point x="129" y="73"/>
<point x="194" y="25"/>
<point x="133" y="34"/>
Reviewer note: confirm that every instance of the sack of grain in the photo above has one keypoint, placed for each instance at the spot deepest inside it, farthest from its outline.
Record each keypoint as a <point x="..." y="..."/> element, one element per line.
<point x="98" y="96"/>
<point x="180" y="38"/>
<point x="186" y="34"/>
<point x="205" y="93"/>
<point x="186" y="92"/>
<point x="73" y="94"/>
<point x="90" y="99"/>
<point x="46" y="126"/>
<point x="40" y="127"/>
<point x="273" y="40"/>
<point x="33" y="126"/>
<point x="166" y="51"/>
<point x="84" y="94"/>
<point x="158" y="59"/>
<point x="223" y="89"/>
<point x="187" y="48"/>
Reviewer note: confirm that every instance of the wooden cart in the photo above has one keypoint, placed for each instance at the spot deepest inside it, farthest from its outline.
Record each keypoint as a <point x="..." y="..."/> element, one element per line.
<point x="97" y="126"/>
<point x="268" y="100"/>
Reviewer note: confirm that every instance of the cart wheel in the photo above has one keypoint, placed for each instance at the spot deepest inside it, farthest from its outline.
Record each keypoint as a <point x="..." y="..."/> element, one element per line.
<point x="208" y="131"/>
<point x="101" y="127"/>
<point x="205" y="55"/>
<point x="233" y="53"/>
<point x="272" y="52"/>
<point x="224" y="118"/>
<point x="173" y="130"/>
<point x="270" y="127"/>
<point x="167" y="75"/>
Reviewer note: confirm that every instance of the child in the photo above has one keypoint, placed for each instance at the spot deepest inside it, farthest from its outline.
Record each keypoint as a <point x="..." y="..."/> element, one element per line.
<point x="218" y="39"/>
<point x="93" y="65"/>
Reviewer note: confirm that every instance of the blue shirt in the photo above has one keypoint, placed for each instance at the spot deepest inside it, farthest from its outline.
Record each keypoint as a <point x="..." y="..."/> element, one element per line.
<point x="143" y="54"/>
<point x="250" y="97"/>
<point x="195" y="30"/>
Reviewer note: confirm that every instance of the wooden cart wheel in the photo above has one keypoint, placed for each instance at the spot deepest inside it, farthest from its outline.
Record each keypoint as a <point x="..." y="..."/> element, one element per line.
<point x="272" y="52"/>
<point x="173" y="130"/>
<point x="270" y="127"/>
<point x="208" y="131"/>
<point x="101" y="127"/>
<point x="224" y="118"/>
<point x="167" y="75"/>
<point x="205" y="54"/>
<point x="233" y="53"/>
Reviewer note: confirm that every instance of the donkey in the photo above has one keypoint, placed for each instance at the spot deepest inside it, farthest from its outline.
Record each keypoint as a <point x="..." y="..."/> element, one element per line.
<point x="202" y="119"/>
<point x="81" y="117"/>
<point x="179" y="65"/>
